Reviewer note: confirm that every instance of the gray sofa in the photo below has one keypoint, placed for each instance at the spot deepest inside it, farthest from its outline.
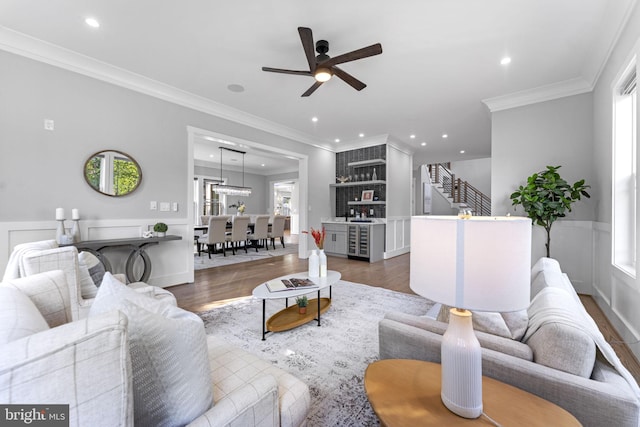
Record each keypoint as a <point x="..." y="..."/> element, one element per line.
<point x="558" y="355"/>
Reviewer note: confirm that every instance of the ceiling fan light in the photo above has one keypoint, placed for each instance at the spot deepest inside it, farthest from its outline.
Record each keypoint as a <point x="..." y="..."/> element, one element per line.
<point x="322" y="74"/>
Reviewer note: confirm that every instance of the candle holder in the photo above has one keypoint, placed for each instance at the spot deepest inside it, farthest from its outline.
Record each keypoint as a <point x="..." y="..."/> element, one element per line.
<point x="75" y="231"/>
<point x="61" y="236"/>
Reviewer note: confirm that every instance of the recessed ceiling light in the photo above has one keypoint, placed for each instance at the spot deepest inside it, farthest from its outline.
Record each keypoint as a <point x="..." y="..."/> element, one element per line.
<point x="314" y="119"/>
<point x="92" y="22"/>
<point x="262" y="165"/>
<point x="211" y="155"/>
<point x="506" y="60"/>
<point x="461" y="151"/>
<point x="236" y="88"/>
<point x="337" y="140"/>
<point x="444" y="135"/>
<point x="361" y="135"/>
<point x="423" y="143"/>
<point x="412" y="136"/>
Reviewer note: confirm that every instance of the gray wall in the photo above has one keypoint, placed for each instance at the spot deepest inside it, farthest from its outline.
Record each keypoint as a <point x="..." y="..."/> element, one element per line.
<point x="92" y="115"/>
<point x="476" y="172"/>
<point x="525" y="140"/>
<point x="41" y="170"/>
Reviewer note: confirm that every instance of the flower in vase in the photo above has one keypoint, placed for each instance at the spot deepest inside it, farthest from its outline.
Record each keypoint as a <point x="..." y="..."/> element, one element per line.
<point x="318" y="236"/>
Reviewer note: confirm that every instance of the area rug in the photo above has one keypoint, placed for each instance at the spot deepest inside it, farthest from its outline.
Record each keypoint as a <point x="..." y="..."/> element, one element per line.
<point x="218" y="260"/>
<point x="331" y="358"/>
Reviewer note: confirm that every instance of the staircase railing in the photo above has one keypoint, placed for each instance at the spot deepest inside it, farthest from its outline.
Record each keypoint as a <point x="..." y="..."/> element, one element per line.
<point x="460" y="191"/>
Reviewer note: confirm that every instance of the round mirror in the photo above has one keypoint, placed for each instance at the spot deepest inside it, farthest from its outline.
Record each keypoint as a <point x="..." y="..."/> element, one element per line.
<point x="113" y="173"/>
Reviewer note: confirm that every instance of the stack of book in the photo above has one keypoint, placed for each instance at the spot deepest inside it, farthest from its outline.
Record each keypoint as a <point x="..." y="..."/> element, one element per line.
<point x="290" y="284"/>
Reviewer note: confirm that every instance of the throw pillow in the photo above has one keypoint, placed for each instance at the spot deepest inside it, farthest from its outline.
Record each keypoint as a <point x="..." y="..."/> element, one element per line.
<point x="19" y="316"/>
<point x="171" y="376"/>
<point x="511" y="325"/>
<point x="94" y="265"/>
<point x="88" y="289"/>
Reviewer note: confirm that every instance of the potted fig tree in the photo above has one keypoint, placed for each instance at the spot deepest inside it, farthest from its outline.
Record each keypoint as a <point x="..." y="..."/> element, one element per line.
<point x="547" y="197"/>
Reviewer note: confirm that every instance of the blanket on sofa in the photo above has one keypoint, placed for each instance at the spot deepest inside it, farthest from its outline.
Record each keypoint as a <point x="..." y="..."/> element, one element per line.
<point x="575" y="315"/>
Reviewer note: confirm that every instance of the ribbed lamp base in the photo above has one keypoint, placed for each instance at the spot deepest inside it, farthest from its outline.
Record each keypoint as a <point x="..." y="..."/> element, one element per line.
<point x="461" y="366"/>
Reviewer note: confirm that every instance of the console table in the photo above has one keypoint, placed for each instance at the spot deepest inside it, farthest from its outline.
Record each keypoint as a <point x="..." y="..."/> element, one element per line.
<point x="136" y="245"/>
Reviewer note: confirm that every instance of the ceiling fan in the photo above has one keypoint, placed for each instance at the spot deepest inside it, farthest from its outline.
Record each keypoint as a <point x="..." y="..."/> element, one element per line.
<point x="323" y="67"/>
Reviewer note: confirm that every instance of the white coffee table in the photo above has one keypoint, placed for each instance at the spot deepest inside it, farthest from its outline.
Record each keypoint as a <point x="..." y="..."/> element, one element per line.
<point x="288" y="318"/>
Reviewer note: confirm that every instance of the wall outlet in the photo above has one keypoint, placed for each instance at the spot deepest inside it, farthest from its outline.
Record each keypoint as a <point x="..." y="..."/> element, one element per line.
<point x="164" y="206"/>
<point x="174" y="206"/>
<point x="48" y="124"/>
<point x="153" y="206"/>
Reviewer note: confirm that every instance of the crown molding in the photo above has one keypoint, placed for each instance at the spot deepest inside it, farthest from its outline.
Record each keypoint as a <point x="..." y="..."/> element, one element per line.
<point x="550" y="92"/>
<point x="39" y="50"/>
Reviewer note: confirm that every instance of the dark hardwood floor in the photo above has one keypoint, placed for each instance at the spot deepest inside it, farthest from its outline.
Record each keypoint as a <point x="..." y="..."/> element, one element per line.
<point x="217" y="285"/>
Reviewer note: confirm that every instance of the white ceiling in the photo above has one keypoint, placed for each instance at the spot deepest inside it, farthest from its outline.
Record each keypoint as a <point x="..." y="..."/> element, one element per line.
<point x="440" y="59"/>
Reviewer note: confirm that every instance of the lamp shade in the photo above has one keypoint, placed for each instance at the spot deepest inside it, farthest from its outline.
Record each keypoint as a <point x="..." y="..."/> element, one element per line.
<point x="480" y="263"/>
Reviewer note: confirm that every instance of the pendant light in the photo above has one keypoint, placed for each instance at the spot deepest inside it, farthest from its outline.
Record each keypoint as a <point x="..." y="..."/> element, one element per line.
<point x="231" y="190"/>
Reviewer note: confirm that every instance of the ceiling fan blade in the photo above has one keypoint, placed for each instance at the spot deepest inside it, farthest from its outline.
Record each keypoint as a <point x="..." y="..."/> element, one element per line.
<point x="312" y="89"/>
<point x="306" y="37"/>
<point x="280" y="70"/>
<point x="365" y="52"/>
<point x="348" y="78"/>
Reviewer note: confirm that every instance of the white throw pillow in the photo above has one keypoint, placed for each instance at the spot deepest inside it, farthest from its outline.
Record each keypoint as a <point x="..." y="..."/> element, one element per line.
<point x="171" y="376"/>
<point x="512" y="325"/>
<point x="19" y="316"/>
<point x="88" y="288"/>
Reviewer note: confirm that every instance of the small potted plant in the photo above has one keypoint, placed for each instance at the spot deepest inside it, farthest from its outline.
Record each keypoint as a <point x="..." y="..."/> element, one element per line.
<point x="302" y="304"/>
<point x="160" y="229"/>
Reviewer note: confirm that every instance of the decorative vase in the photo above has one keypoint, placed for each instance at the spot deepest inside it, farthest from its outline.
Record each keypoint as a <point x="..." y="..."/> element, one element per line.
<point x="323" y="263"/>
<point x="374" y="177"/>
<point x="314" y="264"/>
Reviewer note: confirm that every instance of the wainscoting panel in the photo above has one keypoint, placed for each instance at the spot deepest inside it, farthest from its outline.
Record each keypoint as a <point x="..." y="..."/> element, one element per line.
<point x="398" y="232"/>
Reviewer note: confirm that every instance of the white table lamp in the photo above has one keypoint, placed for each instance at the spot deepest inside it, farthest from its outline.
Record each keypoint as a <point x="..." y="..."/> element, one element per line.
<point x="479" y="263"/>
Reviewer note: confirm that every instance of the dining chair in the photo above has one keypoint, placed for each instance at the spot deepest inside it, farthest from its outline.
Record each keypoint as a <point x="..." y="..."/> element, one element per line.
<point x="260" y="231"/>
<point x="277" y="230"/>
<point x="216" y="235"/>
<point x="239" y="227"/>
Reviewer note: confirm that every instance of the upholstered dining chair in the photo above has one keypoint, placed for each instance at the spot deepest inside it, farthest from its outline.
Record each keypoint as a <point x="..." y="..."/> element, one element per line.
<point x="260" y="231"/>
<point x="216" y="235"/>
<point x="239" y="227"/>
<point x="277" y="230"/>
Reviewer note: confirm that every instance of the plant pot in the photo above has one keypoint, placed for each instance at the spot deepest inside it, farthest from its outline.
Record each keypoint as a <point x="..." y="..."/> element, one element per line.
<point x="161" y="233"/>
<point x="302" y="310"/>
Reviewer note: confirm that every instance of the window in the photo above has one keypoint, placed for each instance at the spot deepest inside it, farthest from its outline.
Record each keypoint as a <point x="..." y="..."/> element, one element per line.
<point x="624" y="172"/>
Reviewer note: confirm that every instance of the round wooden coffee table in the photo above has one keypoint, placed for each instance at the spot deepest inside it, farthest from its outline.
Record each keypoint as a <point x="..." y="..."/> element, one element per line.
<point x="407" y="393"/>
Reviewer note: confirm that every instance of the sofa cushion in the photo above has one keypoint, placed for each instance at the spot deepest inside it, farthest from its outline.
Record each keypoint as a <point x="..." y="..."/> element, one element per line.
<point x="49" y="292"/>
<point x="169" y="357"/>
<point x="545" y="263"/>
<point x="19" y="317"/>
<point x="554" y="279"/>
<point x="511" y="325"/>
<point x="558" y="333"/>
